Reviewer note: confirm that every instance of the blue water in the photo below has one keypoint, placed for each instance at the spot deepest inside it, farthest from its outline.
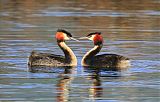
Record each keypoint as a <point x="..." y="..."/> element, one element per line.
<point x="129" y="28"/>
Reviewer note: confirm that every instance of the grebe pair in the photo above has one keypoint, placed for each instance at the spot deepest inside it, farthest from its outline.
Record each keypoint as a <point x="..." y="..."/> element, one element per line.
<point x="90" y="59"/>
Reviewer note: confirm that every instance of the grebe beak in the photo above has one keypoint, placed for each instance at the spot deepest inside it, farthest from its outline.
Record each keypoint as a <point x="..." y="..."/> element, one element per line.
<point x="83" y="38"/>
<point x="73" y="39"/>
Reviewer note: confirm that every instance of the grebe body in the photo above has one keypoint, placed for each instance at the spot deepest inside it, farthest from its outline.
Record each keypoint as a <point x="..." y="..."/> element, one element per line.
<point x="47" y="59"/>
<point x="90" y="59"/>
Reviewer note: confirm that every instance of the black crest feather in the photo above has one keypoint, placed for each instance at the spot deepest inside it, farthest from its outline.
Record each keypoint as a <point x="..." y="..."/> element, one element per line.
<point x="94" y="33"/>
<point x="64" y="31"/>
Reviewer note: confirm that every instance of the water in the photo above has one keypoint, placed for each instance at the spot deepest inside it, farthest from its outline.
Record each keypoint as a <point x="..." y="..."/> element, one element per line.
<point x="129" y="27"/>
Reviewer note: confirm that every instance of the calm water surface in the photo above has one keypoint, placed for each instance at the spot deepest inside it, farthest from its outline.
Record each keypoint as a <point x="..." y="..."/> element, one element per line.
<point x="129" y="27"/>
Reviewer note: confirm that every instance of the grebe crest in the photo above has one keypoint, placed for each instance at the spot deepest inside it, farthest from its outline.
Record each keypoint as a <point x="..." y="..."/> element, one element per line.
<point x="96" y="37"/>
<point x="62" y="35"/>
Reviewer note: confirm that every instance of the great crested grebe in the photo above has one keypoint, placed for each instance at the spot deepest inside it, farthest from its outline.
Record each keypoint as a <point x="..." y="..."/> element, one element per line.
<point x="46" y="59"/>
<point x="105" y="60"/>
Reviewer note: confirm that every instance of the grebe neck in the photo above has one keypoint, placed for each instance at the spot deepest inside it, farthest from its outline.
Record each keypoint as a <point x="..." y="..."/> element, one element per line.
<point x="69" y="55"/>
<point x="90" y="54"/>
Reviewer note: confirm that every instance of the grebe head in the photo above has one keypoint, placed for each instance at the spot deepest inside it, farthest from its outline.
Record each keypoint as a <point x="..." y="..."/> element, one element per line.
<point x="63" y="35"/>
<point x="95" y="37"/>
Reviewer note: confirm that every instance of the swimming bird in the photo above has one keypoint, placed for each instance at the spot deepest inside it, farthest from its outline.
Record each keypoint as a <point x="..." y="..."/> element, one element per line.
<point x="104" y="60"/>
<point x="47" y="59"/>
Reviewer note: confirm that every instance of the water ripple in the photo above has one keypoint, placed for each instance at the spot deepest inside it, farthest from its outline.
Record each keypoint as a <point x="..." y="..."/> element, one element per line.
<point x="109" y="13"/>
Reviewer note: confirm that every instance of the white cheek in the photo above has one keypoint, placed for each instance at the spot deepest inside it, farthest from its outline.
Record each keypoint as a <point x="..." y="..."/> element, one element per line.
<point x="66" y="37"/>
<point x="92" y="37"/>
